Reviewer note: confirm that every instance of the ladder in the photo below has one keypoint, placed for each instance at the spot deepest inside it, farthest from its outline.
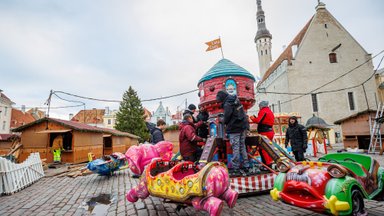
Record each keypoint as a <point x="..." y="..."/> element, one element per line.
<point x="375" y="130"/>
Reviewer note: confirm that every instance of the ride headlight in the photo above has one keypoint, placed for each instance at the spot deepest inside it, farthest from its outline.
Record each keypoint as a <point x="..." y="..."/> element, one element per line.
<point x="283" y="167"/>
<point x="337" y="171"/>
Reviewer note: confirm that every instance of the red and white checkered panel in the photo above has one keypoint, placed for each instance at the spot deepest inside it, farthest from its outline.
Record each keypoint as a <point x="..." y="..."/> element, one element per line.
<point x="257" y="183"/>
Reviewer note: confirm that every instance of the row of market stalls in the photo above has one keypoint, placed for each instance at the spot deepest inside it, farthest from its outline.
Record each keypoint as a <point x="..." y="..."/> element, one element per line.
<point x="78" y="140"/>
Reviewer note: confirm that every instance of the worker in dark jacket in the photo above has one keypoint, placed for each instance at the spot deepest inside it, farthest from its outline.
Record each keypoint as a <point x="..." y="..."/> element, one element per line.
<point x="157" y="132"/>
<point x="236" y="122"/>
<point x="188" y="139"/>
<point x="296" y="136"/>
<point x="265" y="120"/>
<point x="202" y="129"/>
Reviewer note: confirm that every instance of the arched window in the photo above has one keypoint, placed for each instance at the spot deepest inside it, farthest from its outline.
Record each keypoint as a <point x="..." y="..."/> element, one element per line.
<point x="332" y="58"/>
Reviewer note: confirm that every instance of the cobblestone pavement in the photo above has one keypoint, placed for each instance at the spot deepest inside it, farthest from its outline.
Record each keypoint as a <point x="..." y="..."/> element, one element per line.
<point x="67" y="196"/>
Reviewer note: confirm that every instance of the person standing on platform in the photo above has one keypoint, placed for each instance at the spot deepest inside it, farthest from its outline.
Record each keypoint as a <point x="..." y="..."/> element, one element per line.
<point x="236" y="122"/>
<point x="296" y="136"/>
<point x="265" y="120"/>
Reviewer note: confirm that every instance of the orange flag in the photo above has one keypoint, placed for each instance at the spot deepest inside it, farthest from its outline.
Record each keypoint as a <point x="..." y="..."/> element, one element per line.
<point x="213" y="44"/>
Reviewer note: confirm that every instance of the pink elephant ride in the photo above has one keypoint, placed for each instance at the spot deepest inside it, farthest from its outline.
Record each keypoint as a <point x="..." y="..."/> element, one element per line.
<point x="204" y="188"/>
<point x="140" y="156"/>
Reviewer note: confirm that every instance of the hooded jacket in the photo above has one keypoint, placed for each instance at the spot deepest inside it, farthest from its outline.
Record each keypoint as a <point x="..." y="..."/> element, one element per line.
<point x="235" y="118"/>
<point x="188" y="139"/>
<point x="156" y="135"/>
<point x="297" y="134"/>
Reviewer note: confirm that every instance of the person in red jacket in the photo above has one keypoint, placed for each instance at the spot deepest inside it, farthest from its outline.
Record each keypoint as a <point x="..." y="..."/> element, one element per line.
<point x="265" y="120"/>
<point x="188" y="139"/>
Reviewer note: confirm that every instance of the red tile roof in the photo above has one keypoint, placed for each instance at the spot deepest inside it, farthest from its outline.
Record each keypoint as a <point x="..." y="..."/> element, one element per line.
<point x="18" y="118"/>
<point x="287" y="53"/>
<point x="93" y="116"/>
<point x="7" y="137"/>
<point x="147" y="113"/>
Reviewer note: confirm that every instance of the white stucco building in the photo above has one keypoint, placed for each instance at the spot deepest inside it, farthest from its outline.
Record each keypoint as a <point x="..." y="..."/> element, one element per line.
<point x="5" y="113"/>
<point x="327" y="63"/>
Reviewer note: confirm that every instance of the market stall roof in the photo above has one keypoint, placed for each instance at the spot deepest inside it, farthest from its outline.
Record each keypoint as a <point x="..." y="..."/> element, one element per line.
<point x="54" y="131"/>
<point x="72" y="125"/>
<point x="354" y="115"/>
<point x="317" y="122"/>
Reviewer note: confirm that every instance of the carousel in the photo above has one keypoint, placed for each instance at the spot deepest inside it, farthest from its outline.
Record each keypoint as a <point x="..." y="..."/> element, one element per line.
<point x="206" y="185"/>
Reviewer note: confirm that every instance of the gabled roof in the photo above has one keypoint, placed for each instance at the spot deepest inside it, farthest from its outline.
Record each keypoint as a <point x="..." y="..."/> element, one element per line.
<point x="225" y="67"/>
<point x="93" y="116"/>
<point x="160" y="109"/>
<point x="147" y="113"/>
<point x="36" y="113"/>
<point x="5" y="99"/>
<point x="367" y="111"/>
<point x="287" y="53"/>
<point x="76" y="126"/>
<point x="69" y="124"/>
<point x="18" y="118"/>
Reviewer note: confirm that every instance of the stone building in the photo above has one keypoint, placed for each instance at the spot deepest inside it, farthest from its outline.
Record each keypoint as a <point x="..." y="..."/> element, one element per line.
<point x="327" y="63"/>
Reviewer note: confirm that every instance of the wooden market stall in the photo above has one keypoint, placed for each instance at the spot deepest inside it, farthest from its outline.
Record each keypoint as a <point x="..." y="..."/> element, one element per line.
<point x="78" y="139"/>
<point x="356" y="129"/>
<point x="117" y="141"/>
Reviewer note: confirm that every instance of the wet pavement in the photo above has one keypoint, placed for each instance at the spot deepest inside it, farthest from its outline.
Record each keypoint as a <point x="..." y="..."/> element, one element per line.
<point x="100" y="195"/>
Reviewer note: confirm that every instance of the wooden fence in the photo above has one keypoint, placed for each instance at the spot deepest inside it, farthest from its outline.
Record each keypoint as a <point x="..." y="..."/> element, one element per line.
<point x="14" y="177"/>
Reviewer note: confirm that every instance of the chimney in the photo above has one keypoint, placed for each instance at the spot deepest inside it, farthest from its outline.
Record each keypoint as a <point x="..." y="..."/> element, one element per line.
<point x="106" y="110"/>
<point x="23" y="108"/>
<point x="70" y="116"/>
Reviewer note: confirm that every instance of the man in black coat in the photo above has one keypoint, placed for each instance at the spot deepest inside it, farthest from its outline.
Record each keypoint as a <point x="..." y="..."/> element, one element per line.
<point x="296" y="135"/>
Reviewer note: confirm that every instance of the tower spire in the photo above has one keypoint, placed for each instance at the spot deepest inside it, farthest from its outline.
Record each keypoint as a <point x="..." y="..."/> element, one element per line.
<point x="263" y="40"/>
<point x="262" y="30"/>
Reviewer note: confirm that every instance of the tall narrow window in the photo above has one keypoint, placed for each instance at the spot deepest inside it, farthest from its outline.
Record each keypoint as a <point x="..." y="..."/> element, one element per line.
<point x="266" y="52"/>
<point x="314" y="103"/>
<point x="325" y="25"/>
<point x="4" y="125"/>
<point x="332" y="58"/>
<point x="5" y="111"/>
<point x="273" y="107"/>
<point x="261" y="52"/>
<point x="351" y="101"/>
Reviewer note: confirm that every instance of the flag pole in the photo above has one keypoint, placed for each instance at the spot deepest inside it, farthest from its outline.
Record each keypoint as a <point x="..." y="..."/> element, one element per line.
<point x="221" y="47"/>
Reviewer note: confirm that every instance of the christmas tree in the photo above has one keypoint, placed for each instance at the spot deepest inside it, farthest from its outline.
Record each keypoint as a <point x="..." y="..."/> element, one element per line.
<point x="130" y="117"/>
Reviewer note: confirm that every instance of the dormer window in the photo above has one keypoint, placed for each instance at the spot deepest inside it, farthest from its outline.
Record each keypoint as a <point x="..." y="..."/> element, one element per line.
<point x="332" y="58"/>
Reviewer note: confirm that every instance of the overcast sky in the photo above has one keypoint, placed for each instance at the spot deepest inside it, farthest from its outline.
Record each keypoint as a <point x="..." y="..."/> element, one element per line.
<point x="100" y="48"/>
